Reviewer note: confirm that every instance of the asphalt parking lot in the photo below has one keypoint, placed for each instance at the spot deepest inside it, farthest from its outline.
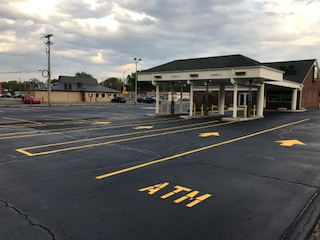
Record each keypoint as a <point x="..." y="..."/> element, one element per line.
<point x="111" y="172"/>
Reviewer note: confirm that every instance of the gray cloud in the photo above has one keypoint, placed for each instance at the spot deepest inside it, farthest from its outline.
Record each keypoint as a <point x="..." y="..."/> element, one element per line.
<point x="103" y="39"/>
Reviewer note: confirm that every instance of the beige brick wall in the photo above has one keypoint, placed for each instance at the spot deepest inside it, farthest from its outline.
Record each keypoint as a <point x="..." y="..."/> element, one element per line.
<point x="98" y="97"/>
<point x="61" y="96"/>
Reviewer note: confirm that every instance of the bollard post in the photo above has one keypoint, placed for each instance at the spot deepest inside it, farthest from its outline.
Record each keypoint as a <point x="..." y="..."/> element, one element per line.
<point x="201" y="110"/>
<point x="245" y="111"/>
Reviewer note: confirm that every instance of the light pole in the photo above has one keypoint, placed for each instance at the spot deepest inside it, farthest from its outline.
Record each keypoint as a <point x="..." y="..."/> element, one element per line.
<point x="136" y="81"/>
<point x="48" y="43"/>
<point x="123" y="82"/>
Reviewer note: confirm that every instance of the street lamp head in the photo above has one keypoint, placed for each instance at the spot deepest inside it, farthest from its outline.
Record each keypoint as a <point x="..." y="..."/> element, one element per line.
<point x="137" y="60"/>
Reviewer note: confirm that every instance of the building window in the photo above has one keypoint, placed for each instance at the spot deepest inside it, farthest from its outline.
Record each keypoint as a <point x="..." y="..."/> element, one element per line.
<point x="97" y="94"/>
<point x="279" y="98"/>
<point x="65" y="86"/>
<point x="315" y="73"/>
<point x="103" y="95"/>
<point x="79" y="85"/>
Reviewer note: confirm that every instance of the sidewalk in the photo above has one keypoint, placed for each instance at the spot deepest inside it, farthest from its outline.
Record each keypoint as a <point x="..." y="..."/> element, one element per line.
<point x="18" y="103"/>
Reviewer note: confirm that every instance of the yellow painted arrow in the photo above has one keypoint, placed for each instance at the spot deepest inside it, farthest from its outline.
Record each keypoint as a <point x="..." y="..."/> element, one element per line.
<point x="209" y="134"/>
<point x="290" y="143"/>
<point x="143" y="127"/>
<point x="101" y="123"/>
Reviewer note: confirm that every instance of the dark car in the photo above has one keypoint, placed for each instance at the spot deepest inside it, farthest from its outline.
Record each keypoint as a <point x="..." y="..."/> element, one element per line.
<point x="119" y="100"/>
<point x="141" y="99"/>
<point x="151" y="100"/>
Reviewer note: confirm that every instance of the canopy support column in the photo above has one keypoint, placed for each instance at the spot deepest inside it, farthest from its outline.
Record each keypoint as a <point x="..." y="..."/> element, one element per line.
<point x="235" y="99"/>
<point x="221" y="99"/>
<point x="157" y="98"/>
<point x="294" y="99"/>
<point x="181" y="96"/>
<point x="191" y="100"/>
<point x="260" y="100"/>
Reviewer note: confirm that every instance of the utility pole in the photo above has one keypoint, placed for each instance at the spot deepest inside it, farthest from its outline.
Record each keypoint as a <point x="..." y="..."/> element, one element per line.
<point x="48" y="71"/>
<point x="136" y="60"/>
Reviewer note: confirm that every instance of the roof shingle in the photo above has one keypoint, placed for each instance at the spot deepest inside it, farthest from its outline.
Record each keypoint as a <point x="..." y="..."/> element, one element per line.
<point x="295" y="71"/>
<point x="206" y="63"/>
<point x="81" y="85"/>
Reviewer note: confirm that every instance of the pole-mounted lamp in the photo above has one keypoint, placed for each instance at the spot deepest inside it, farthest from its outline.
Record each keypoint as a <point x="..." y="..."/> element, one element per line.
<point x="136" y="60"/>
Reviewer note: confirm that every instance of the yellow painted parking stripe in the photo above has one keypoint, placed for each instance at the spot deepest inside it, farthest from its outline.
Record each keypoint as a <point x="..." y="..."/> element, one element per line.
<point x="116" y="135"/>
<point x="23" y="150"/>
<point x="22" y="120"/>
<point x="16" y="134"/>
<point x="15" y="126"/>
<point x="197" y="150"/>
<point x="77" y="121"/>
<point x="75" y="129"/>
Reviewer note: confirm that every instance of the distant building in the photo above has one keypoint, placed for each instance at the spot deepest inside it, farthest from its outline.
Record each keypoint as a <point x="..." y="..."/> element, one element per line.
<point x="76" y="89"/>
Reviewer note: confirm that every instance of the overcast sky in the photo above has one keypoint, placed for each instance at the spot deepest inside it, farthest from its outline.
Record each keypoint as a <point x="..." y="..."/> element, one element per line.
<point x="102" y="37"/>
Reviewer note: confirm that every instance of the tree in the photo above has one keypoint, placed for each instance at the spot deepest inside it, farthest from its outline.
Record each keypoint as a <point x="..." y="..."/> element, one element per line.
<point x="83" y="75"/>
<point x="131" y="82"/>
<point x="142" y="86"/>
<point x="113" y="82"/>
<point x="54" y="81"/>
<point x="36" y="84"/>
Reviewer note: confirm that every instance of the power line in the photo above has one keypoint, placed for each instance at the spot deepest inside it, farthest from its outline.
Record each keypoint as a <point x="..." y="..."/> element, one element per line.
<point x="29" y="71"/>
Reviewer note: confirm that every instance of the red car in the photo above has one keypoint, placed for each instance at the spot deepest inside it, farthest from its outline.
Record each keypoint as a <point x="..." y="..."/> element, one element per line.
<point x="31" y="100"/>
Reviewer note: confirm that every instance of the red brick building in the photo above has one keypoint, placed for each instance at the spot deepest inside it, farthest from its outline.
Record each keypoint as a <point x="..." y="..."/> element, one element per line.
<point x="303" y="72"/>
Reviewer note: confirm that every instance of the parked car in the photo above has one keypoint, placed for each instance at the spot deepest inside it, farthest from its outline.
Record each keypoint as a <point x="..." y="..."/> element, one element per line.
<point x="141" y="99"/>
<point x="18" y="94"/>
<point x="31" y="100"/>
<point x="119" y="100"/>
<point x="151" y="100"/>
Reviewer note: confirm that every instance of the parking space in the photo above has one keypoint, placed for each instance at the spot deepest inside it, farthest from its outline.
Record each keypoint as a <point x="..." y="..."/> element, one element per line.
<point x="110" y="172"/>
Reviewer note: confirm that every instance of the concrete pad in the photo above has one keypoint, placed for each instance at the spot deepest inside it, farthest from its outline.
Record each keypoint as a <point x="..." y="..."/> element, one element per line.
<point x="240" y="119"/>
